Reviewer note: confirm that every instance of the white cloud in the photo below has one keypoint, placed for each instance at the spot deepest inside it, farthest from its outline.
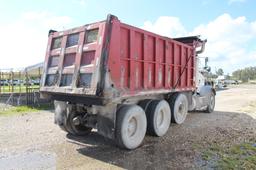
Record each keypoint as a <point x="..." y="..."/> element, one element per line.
<point x="235" y="1"/>
<point x="23" y="41"/>
<point x="229" y="42"/>
<point x="45" y="19"/>
<point x="166" y="26"/>
<point x="229" y="39"/>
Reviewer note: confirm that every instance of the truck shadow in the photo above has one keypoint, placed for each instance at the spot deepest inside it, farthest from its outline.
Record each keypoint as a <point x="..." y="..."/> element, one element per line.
<point x="92" y="139"/>
<point x="175" y="150"/>
<point x="106" y="151"/>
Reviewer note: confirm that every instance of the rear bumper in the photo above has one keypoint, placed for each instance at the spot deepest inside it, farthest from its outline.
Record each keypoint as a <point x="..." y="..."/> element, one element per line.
<point x="74" y="98"/>
<point x="68" y="90"/>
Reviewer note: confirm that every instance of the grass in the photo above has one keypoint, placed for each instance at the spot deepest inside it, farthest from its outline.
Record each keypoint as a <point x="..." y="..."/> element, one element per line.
<point x="13" y="110"/>
<point x="16" y="89"/>
<point x="242" y="156"/>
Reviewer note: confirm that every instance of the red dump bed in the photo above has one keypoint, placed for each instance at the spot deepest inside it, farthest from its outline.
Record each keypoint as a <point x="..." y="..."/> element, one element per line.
<point x="113" y="59"/>
<point x="141" y="61"/>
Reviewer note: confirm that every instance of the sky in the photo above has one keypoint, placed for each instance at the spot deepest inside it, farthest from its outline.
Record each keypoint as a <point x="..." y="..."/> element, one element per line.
<point x="228" y="25"/>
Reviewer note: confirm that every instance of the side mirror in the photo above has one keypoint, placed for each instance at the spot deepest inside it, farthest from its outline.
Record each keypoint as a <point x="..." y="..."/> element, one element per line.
<point x="207" y="68"/>
<point x="206" y="61"/>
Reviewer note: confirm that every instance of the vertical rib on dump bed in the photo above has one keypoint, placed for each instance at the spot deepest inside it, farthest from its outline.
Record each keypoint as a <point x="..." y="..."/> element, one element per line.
<point x="143" y="62"/>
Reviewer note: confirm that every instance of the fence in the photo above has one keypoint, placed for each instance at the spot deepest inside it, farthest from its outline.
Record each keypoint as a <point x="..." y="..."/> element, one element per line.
<point x="19" y="87"/>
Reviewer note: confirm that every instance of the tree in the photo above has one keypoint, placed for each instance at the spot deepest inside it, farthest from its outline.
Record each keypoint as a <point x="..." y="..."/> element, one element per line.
<point x="228" y="77"/>
<point x="245" y="74"/>
<point x="220" y="72"/>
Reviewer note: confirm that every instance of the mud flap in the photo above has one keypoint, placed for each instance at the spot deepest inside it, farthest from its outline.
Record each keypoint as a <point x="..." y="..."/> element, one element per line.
<point x="106" y="117"/>
<point x="60" y="115"/>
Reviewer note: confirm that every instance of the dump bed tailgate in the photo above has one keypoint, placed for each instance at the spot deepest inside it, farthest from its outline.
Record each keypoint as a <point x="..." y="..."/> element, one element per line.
<point x="72" y="62"/>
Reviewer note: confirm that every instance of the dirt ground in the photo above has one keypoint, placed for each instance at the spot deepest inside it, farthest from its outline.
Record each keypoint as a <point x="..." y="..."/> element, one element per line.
<point x="33" y="141"/>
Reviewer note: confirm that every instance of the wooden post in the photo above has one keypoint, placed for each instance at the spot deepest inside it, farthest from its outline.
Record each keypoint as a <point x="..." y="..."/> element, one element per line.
<point x="4" y="78"/>
<point x="12" y="75"/>
<point x="1" y="81"/>
<point x="19" y="81"/>
<point x="26" y="74"/>
<point x="9" y="78"/>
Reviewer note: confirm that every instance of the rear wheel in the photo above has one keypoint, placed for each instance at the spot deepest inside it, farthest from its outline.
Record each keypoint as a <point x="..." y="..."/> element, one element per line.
<point x="69" y="120"/>
<point x="74" y="123"/>
<point x="158" y="117"/>
<point x="130" y="126"/>
<point x="179" y="108"/>
<point x="211" y="104"/>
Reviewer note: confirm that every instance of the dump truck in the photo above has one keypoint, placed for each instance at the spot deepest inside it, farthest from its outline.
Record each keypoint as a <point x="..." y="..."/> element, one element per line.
<point x="122" y="81"/>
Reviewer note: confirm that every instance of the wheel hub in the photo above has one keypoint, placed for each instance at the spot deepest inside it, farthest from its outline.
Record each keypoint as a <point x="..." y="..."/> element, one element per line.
<point x="181" y="108"/>
<point x="211" y="102"/>
<point x="132" y="126"/>
<point x="160" y="118"/>
<point x="76" y="120"/>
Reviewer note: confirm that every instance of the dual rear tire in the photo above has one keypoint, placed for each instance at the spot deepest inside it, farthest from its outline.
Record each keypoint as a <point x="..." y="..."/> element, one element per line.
<point x="158" y="117"/>
<point x="150" y="116"/>
<point x="133" y="122"/>
<point x="131" y="126"/>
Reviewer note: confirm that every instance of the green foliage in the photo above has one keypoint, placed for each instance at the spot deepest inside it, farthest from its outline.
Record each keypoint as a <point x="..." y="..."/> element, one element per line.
<point x="24" y="109"/>
<point x="228" y="77"/>
<point x="18" y="109"/>
<point x="16" y="89"/>
<point x="241" y="156"/>
<point x="248" y="73"/>
<point x="207" y="155"/>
